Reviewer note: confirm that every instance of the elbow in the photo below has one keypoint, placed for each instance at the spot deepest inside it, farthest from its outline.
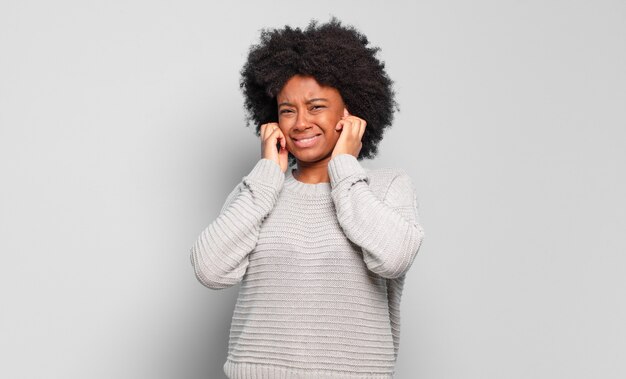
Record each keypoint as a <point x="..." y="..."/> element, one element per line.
<point x="398" y="262"/>
<point x="213" y="282"/>
<point x="393" y="271"/>
<point x="388" y="271"/>
<point x="212" y="277"/>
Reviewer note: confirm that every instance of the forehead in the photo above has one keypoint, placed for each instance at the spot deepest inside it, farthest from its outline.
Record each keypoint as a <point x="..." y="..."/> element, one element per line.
<point x="300" y="87"/>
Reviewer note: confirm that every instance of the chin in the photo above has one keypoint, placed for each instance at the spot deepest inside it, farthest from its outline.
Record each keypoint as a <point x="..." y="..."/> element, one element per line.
<point x="310" y="156"/>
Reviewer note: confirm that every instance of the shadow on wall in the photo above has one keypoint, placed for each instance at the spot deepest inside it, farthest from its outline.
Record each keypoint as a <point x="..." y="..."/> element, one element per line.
<point x="207" y="348"/>
<point x="204" y="343"/>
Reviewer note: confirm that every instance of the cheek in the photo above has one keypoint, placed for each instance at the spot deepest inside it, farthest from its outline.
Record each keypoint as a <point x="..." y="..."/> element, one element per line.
<point x="283" y="126"/>
<point x="332" y="136"/>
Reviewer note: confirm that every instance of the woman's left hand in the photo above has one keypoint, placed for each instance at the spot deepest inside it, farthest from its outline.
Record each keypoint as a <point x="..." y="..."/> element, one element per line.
<point x="351" y="129"/>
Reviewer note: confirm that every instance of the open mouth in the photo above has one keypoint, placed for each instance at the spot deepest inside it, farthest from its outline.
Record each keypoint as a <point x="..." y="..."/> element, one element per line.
<point x="306" y="142"/>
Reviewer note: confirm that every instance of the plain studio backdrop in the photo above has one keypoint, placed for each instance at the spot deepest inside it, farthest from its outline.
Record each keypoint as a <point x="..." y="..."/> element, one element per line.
<point x="122" y="132"/>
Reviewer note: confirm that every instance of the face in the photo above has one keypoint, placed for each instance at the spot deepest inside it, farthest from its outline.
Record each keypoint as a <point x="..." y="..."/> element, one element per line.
<point x="307" y="115"/>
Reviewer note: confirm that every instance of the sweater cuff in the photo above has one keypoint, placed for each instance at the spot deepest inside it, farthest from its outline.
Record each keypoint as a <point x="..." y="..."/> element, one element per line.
<point x="343" y="166"/>
<point x="268" y="172"/>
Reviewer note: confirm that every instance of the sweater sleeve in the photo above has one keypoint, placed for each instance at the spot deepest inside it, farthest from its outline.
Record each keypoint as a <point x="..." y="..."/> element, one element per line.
<point x="220" y="254"/>
<point x="388" y="231"/>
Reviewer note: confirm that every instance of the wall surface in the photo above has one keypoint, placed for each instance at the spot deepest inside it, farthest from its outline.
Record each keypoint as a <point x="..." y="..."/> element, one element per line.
<point x="122" y="130"/>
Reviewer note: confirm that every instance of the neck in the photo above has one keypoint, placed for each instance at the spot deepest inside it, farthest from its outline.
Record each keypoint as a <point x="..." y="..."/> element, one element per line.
<point x="313" y="172"/>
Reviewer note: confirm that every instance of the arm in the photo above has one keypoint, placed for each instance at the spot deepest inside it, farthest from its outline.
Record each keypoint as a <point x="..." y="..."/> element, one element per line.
<point x="387" y="231"/>
<point x="220" y="254"/>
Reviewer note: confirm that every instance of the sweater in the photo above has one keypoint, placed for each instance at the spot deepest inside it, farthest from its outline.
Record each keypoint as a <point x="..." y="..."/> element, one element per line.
<point x="322" y="269"/>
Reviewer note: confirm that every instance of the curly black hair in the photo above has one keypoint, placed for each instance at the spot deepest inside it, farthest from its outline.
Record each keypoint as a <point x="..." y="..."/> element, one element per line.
<point x="335" y="55"/>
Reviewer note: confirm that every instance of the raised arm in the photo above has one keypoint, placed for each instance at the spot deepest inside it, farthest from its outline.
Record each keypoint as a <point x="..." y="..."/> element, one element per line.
<point x="388" y="230"/>
<point x="220" y="254"/>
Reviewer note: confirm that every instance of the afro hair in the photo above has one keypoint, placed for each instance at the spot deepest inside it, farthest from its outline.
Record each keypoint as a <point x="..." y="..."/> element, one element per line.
<point x="335" y="55"/>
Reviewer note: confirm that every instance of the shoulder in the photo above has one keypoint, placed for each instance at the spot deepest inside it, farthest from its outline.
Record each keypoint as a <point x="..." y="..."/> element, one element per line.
<point x="388" y="181"/>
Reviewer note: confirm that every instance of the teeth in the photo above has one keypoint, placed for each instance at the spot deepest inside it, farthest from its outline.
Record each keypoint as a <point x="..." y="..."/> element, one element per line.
<point x="306" y="139"/>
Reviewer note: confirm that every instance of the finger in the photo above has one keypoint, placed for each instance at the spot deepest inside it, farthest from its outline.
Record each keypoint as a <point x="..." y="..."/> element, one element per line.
<point x="346" y="123"/>
<point x="345" y="112"/>
<point x="283" y="159"/>
<point x="280" y="137"/>
<point x="356" y="125"/>
<point x="339" y="125"/>
<point x="283" y="150"/>
<point x="349" y="126"/>
<point x="269" y="130"/>
<point x="362" y="126"/>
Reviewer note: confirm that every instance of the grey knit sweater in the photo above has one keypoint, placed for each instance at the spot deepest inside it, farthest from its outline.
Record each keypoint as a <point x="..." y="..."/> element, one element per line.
<point x="322" y="267"/>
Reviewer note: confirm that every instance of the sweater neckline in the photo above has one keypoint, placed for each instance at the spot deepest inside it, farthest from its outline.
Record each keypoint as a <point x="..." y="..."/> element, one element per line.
<point x="313" y="189"/>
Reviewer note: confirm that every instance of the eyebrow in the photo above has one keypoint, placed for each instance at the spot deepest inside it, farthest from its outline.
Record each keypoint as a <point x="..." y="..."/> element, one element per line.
<point x="307" y="102"/>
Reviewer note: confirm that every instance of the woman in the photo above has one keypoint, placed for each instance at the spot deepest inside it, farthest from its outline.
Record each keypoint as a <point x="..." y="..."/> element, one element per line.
<point x="320" y="245"/>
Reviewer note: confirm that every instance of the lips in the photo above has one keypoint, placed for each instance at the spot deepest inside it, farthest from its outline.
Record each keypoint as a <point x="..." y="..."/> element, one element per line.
<point x="306" y="141"/>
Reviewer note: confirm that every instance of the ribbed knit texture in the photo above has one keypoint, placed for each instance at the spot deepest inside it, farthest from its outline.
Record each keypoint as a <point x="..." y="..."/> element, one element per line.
<point x="322" y="268"/>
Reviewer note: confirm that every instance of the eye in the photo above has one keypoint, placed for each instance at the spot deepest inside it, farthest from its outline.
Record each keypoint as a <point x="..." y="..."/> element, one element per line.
<point x="317" y="107"/>
<point x="284" y="111"/>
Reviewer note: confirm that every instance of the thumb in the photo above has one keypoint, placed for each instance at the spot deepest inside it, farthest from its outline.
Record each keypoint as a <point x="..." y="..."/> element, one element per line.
<point x="283" y="159"/>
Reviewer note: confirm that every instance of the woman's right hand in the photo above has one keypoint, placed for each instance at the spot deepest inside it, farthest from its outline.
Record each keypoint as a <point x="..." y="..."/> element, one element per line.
<point x="270" y="136"/>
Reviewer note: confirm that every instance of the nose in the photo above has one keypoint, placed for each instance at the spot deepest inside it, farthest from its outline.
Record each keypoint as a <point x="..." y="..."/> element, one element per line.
<point x="302" y="121"/>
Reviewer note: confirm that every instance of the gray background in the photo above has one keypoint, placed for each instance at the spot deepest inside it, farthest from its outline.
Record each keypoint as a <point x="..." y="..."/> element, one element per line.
<point x="122" y="131"/>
